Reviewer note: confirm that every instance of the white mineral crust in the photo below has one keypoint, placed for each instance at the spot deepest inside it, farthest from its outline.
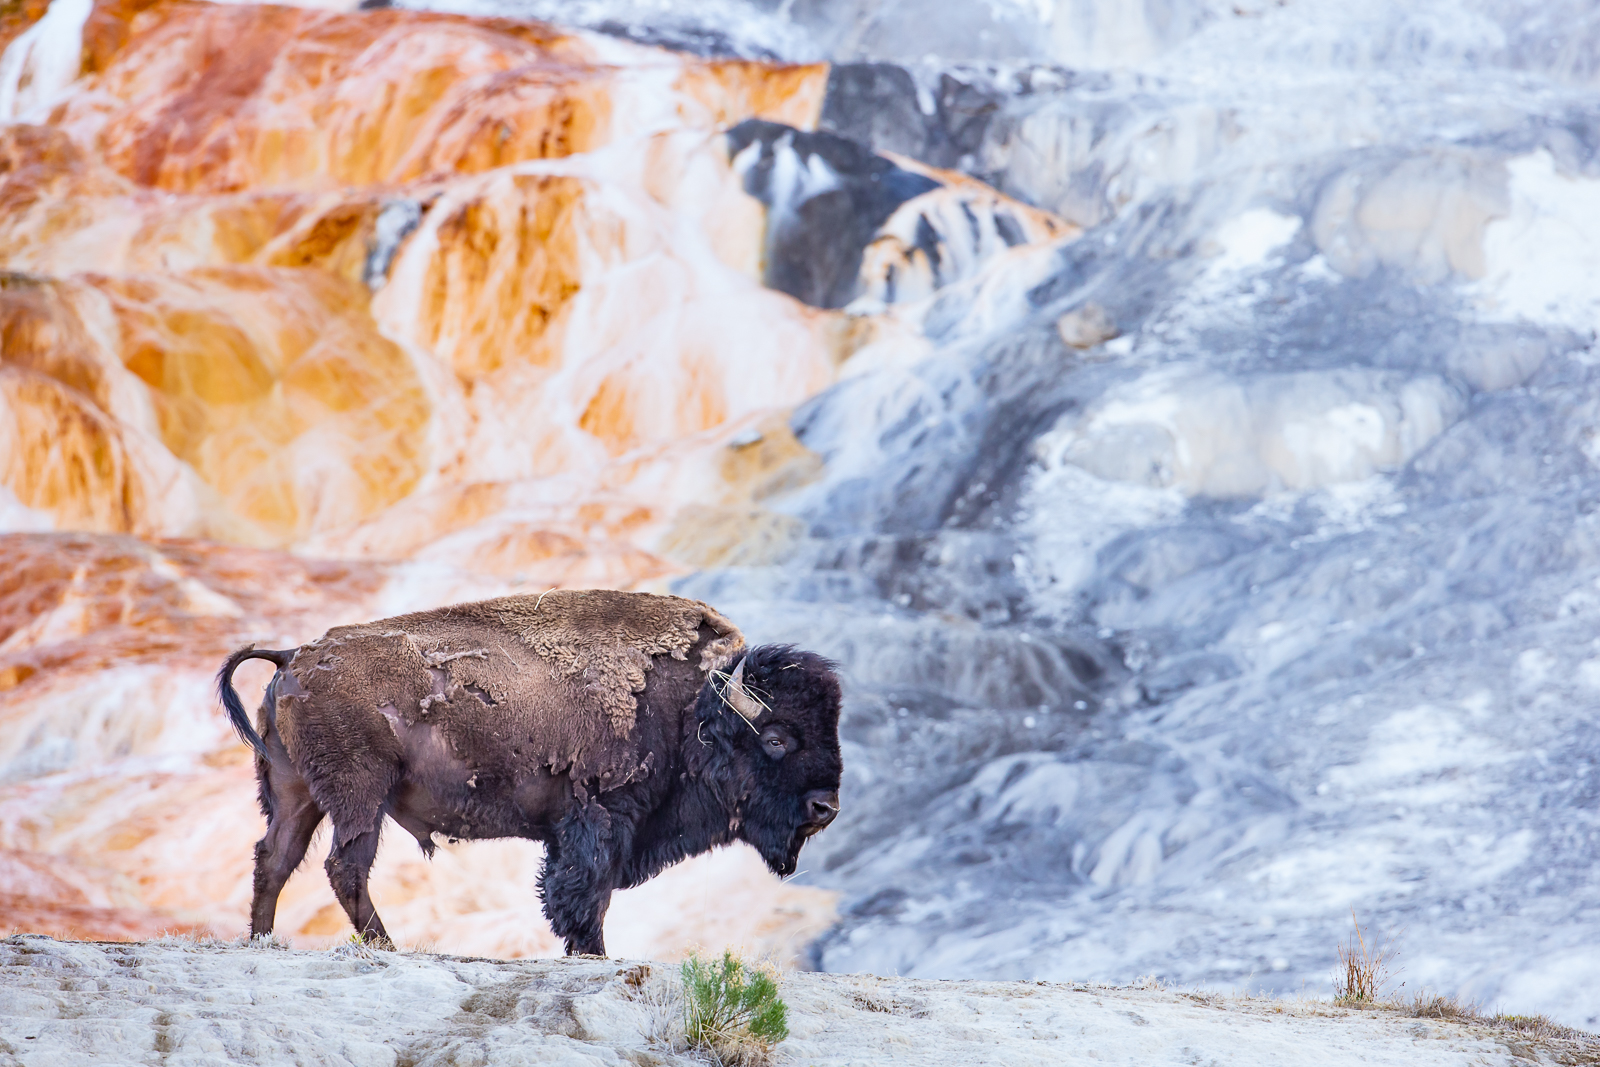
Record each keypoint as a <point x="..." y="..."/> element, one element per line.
<point x="181" y="1002"/>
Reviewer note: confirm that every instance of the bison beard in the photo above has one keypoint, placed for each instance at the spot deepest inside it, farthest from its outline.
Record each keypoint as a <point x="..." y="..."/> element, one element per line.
<point x="625" y="731"/>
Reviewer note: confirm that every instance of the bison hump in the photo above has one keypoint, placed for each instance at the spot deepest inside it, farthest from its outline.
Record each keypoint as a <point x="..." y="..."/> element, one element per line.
<point x="611" y="638"/>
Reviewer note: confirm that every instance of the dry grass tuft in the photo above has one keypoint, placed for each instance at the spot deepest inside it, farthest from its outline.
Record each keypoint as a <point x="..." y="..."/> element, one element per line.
<point x="1425" y="1004"/>
<point x="265" y="941"/>
<point x="660" y="1003"/>
<point x="1538" y="1028"/>
<point x="1535" y="1028"/>
<point x="1364" y="970"/>
<point x="361" y="947"/>
<point x="193" y="939"/>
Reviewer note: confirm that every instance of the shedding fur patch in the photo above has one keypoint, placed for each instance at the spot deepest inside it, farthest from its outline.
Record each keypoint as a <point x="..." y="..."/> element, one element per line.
<point x="555" y="677"/>
<point x="610" y="638"/>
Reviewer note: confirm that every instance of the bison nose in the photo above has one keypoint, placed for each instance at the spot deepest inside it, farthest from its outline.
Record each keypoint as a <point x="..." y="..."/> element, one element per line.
<point x="821" y="808"/>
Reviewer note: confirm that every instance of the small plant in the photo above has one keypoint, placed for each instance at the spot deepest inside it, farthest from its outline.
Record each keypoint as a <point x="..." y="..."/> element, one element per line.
<point x="1427" y="1004"/>
<point x="1365" y="968"/>
<point x="1536" y="1027"/>
<point x="732" y="1011"/>
<point x="362" y="947"/>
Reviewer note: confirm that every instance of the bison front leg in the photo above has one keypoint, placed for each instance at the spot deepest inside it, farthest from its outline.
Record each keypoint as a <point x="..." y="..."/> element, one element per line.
<point x="576" y="883"/>
<point x="348" y="866"/>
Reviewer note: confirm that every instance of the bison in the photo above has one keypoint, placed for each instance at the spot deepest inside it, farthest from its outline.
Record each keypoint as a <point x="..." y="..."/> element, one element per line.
<point x="626" y="731"/>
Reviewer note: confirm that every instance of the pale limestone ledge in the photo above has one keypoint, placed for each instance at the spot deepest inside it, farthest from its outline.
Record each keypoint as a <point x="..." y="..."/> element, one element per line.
<point x="182" y="1003"/>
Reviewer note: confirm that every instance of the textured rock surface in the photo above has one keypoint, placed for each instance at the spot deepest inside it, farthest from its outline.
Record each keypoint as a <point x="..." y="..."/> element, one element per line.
<point x="476" y="293"/>
<point x="1196" y="579"/>
<point x="226" y="370"/>
<point x="170" y="1001"/>
<point x="1265" y="588"/>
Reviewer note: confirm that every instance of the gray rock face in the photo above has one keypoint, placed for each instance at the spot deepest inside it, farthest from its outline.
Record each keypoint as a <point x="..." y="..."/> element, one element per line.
<point x="1170" y="652"/>
<point x="826" y="197"/>
<point x="1236" y="565"/>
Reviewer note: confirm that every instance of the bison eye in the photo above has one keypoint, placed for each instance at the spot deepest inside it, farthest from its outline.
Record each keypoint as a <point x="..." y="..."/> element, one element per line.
<point x="776" y="743"/>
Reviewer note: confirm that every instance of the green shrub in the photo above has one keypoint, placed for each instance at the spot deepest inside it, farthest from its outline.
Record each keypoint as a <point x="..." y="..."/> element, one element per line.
<point x="731" y="1010"/>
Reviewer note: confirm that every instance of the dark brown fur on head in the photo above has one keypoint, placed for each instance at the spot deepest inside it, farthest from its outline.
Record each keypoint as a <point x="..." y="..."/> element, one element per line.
<point x="786" y="760"/>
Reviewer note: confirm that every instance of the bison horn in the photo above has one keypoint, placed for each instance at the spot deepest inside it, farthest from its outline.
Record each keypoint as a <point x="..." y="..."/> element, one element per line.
<point x="739" y="698"/>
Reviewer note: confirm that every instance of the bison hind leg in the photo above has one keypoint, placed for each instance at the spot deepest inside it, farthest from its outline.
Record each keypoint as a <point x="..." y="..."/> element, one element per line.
<point x="294" y="819"/>
<point x="348" y="865"/>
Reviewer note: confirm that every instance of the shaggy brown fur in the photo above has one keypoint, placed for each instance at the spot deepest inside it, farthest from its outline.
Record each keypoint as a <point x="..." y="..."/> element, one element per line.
<point x="555" y="676"/>
<point x="610" y="638"/>
<point x="597" y="722"/>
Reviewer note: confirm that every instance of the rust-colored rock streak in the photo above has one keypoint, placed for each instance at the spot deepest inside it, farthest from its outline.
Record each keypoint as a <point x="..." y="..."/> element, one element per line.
<point x="278" y="284"/>
<point x="194" y="237"/>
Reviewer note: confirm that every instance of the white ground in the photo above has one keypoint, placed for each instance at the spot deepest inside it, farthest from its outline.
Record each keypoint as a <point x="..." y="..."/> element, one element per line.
<point x="181" y="1003"/>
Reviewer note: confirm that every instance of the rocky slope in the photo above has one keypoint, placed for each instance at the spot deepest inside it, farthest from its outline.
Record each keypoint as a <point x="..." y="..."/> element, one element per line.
<point x="1196" y="482"/>
<point x="309" y="317"/>
<point x="181" y="1002"/>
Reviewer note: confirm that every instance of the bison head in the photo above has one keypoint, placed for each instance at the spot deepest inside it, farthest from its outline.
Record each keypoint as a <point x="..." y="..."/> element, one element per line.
<point x="777" y="720"/>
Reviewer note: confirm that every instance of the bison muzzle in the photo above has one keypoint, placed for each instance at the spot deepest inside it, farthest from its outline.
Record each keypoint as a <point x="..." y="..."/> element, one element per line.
<point x="625" y="731"/>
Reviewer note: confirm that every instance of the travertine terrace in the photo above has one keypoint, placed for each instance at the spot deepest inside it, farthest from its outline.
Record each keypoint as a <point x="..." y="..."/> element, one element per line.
<point x="1208" y="544"/>
<point x="173" y="1001"/>
<point x="472" y="304"/>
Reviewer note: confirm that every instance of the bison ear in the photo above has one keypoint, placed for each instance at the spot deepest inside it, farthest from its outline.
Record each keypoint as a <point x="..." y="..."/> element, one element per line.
<point x="738" y="697"/>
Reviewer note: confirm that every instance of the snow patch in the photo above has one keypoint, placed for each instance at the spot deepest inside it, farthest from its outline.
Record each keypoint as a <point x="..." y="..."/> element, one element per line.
<point x="1249" y="239"/>
<point x="1543" y="258"/>
<point x="1221" y="436"/>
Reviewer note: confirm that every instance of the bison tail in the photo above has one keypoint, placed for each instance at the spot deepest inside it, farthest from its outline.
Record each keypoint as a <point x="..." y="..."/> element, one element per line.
<point x="230" y="698"/>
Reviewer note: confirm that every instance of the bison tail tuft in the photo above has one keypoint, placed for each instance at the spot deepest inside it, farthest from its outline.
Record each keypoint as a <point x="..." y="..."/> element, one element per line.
<point x="230" y="698"/>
